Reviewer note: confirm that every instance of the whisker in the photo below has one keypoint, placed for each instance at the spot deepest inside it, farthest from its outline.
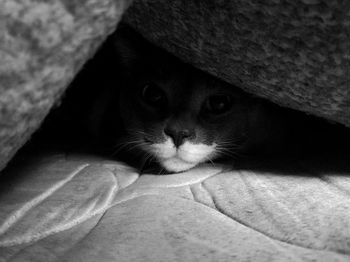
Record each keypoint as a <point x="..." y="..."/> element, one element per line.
<point x="147" y="157"/>
<point x="120" y="147"/>
<point x="161" y="171"/>
<point x="210" y="160"/>
<point x="140" y="145"/>
<point x="129" y="146"/>
<point x="228" y="151"/>
<point x="147" y="135"/>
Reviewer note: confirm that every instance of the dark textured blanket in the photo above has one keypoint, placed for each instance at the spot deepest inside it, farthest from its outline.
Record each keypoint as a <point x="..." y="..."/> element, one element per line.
<point x="295" y="53"/>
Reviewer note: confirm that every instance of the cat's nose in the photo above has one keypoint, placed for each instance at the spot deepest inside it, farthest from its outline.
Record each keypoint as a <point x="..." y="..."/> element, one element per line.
<point x="179" y="135"/>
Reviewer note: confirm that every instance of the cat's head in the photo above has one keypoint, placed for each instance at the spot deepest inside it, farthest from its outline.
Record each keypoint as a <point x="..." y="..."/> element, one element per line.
<point x="177" y="114"/>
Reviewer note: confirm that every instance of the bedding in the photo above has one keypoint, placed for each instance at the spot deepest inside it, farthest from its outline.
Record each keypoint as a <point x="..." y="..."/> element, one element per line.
<point x="294" y="53"/>
<point x="68" y="207"/>
<point x="43" y="44"/>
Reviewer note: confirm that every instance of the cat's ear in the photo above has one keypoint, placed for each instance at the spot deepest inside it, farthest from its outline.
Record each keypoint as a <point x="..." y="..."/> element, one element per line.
<point x="128" y="47"/>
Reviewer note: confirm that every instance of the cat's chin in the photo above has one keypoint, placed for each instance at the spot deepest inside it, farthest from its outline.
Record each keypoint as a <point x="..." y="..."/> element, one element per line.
<point x="175" y="164"/>
<point x="187" y="156"/>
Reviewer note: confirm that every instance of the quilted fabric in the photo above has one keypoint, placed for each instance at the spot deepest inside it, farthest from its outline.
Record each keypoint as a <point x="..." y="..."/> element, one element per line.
<point x="42" y="46"/>
<point x="295" y="53"/>
<point x="80" y="208"/>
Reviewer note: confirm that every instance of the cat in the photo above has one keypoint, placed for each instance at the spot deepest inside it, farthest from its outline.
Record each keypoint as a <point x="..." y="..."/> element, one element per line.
<point x="148" y="107"/>
<point x="178" y="116"/>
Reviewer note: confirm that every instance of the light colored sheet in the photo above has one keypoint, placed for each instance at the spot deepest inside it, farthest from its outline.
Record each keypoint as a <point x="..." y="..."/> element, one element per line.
<point x="80" y="208"/>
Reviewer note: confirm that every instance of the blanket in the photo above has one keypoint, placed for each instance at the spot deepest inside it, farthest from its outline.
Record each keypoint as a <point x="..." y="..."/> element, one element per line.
<point x="294" y="53"/>
<point x="43" y="44"/>
<point x="74" y="208"/>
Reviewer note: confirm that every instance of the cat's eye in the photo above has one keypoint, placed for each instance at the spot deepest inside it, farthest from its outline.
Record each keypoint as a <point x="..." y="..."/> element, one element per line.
<point x="153" y="95"/>
<point x="218" y="104"/>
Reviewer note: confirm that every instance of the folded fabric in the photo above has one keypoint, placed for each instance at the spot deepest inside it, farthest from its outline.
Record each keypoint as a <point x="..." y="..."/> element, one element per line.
<point x="81" y="208"/>
<point x="295" y="53"/>
<point x="43" y="44"/>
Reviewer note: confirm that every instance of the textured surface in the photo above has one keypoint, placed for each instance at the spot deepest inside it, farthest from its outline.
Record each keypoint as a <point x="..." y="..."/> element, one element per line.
<point x="57" y="207"/>
<point x="295" y="53"/>
<point x="42" y="46"/>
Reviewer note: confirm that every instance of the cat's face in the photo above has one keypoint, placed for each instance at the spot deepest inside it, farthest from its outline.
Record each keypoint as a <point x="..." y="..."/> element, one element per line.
<point x="178" y="115"/>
